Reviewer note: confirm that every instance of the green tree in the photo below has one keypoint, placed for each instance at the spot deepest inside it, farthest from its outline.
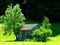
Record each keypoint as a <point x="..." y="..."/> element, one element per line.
<point x="45" y="28"/>
<point x="14" y="20"/>
<point x="46" y="23"/>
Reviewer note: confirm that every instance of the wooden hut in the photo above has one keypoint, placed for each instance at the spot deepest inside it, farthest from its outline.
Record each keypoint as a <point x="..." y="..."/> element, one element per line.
<point x="26" y="30"/>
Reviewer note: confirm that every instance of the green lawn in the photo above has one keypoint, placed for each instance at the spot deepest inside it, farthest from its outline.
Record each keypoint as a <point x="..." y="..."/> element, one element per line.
<point x="29" y="43"/>
<point x="54" y="40"/>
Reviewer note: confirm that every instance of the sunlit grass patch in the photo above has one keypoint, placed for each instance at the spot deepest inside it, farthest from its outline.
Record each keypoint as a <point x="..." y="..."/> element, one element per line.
<point x="22" y="43"/>
<point x="29" y="43"/>
<point x="5" y="37"/>
<point x="55" y="39"/>
<point x="52" y="43"/>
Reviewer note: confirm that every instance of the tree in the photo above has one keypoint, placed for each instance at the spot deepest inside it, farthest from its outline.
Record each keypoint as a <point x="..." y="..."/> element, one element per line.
<point x="14" y="20"/>
<point x="46" y="23"/>
<point x="45" y="28"/>
<point x="35" y="9"/>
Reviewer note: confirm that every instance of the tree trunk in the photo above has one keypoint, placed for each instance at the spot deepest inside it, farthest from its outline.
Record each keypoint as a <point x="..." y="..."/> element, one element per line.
<point x="16" y="35"/>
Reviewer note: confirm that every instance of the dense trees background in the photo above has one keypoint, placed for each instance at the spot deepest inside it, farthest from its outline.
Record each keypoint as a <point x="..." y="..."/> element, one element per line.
<point x="35" y="9"/>
<point x="3" y="5"/>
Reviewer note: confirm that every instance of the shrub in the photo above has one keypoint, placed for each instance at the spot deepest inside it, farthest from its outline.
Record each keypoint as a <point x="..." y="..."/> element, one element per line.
<point x="44" y="31"/>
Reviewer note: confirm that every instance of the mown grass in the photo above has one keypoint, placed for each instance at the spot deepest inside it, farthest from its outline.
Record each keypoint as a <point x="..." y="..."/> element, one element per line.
<point x="29" y="43"/>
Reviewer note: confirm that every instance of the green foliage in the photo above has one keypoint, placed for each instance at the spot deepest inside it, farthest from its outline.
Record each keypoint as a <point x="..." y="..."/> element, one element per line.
<point x="34" y="8"/>
<point x="43" y="32"/>
<point x="36" y="32"/>
<point x="46" y="26"/>
<point x="1" y="19"/>
<point x="14" y="19"/>
<point x="46" y="23"/>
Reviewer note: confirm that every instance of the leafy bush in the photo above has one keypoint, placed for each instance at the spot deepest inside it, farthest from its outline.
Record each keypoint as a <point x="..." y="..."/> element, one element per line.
<point x="46" y="26"/>
<point x="44" y="31"/>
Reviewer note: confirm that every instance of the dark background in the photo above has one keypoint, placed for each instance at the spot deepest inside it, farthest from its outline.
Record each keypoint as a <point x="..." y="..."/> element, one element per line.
<point x="35" y="9"/>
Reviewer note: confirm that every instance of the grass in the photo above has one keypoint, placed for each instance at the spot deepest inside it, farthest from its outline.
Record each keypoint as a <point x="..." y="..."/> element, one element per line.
<point x="56" y="32"/>
<point x="54" y="40"/>
<point x="29" y="43"/>
<point x="5" y="37"/>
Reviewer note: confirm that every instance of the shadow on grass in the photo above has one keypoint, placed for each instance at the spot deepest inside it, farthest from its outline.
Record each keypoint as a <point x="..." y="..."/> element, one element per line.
<point x="10" y="41"/>
<point x="55" y="28"/>
<point x="14" y="41"/>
